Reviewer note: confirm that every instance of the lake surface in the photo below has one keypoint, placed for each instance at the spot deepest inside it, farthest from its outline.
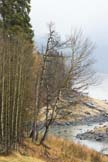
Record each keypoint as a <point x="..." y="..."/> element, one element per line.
<point x="70" y="132"/>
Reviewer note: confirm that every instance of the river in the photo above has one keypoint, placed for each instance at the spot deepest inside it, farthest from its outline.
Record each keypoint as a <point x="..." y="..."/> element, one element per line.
<point x="70" y="132"/>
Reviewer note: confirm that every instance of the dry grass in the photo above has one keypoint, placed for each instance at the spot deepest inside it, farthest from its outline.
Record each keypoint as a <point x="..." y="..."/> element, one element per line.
<point x="17" y="157"/>
<point x="81" y="110"/>
<point x="60" y="151"/>
<point x="71" y="152"/>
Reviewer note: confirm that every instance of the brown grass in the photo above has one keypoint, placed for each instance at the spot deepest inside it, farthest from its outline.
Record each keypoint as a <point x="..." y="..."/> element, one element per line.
<point x="71" y="152"/>
<point x="17" y="157"/>
<point x="59" y="151"/>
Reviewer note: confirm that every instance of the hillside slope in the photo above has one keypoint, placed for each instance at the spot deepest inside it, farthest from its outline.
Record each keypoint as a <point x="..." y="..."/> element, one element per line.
<point x="16" y="157"/>
<point x="88" y="107"/>
<point x="59" y="151"/>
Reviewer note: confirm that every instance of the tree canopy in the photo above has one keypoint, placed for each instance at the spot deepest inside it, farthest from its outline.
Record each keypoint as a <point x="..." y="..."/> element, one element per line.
<point x="15" y="16"/>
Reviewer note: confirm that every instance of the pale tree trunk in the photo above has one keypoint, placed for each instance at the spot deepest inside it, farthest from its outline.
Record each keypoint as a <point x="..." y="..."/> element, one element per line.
<point x="18" y="102"/>
<point x="15" y="84"/>
<point x="3" y="93"/>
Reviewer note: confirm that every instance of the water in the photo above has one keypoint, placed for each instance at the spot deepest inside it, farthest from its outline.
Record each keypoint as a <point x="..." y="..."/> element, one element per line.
<point x="70" y="133"/>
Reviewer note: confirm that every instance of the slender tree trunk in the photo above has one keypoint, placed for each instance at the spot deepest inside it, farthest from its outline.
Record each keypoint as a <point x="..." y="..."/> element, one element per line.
<point x="18" y="102"/>
<point x="2" y="107"/>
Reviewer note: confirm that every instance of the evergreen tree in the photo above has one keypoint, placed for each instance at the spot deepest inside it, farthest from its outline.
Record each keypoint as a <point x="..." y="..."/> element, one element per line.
<point x="14" y="15"/>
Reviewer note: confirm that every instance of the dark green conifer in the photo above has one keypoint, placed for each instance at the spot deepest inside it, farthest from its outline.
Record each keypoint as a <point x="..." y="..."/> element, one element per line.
<point x="14" y="16"/>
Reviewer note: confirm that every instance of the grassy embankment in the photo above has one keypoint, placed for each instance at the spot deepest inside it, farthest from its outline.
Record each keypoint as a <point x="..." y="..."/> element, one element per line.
<point x="60" y="151"/>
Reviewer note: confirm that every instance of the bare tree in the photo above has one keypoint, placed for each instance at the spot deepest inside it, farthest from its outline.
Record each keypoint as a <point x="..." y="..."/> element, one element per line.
<point x="60" y="80"/>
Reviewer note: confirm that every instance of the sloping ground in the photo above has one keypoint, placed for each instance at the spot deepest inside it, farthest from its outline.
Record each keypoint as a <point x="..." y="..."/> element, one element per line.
<point x="59" y="151"/>
<point x="88" y="107"/>
<point x="16" y="157"/>
<point x="95" y="107"/>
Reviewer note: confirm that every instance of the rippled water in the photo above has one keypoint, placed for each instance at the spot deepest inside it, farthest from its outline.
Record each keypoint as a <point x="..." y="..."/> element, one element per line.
<point x="70" y="133"/>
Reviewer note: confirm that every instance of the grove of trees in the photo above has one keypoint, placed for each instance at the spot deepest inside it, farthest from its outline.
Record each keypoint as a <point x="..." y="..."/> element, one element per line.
<point x="34" y="84"/>
<point x="15" y="73"/>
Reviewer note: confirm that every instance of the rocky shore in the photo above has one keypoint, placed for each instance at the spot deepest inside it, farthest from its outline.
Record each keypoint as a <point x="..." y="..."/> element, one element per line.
<point x="87" y="120"/>
<point x="98" y="134"/>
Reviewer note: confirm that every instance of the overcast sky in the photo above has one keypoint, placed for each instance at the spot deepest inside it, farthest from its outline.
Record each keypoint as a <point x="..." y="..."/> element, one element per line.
<point x="90" y="15"/>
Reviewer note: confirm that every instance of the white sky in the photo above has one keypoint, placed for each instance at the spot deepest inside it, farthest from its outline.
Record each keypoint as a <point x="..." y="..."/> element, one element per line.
<point x="100" y="91"/>
<point x="90" y="15"/>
